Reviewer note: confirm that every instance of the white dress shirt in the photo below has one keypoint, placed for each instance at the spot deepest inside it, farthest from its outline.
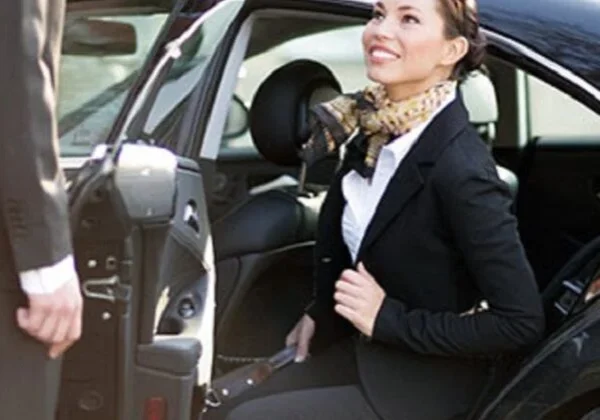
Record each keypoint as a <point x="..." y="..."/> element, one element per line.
<point x="363" y="195"/>
<point x="46" y="280"/>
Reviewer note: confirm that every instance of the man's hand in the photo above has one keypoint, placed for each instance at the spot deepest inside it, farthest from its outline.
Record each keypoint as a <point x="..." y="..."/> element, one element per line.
<point x="301" y="335"/>
<point x="55" y="318"/>
<point x="358" y="298"/>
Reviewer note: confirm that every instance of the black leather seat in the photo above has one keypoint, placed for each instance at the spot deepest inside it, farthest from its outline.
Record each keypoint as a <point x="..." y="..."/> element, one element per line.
<point x="273" y="224"/>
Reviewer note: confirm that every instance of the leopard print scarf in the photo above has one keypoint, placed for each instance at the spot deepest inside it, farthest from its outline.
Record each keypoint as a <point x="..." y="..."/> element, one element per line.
<point x="378" y="120"/>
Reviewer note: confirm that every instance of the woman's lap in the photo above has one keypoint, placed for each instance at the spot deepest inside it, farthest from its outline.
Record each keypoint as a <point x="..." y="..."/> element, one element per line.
<point x="339" y="402"/>
<point x="333" y="368"/>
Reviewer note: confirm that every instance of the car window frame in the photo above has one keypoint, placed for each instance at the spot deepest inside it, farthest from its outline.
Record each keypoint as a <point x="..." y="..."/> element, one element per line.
<point x="144" y="96"/>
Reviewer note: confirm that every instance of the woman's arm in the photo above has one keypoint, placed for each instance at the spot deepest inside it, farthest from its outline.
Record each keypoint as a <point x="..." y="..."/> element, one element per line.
<point x="476" y="206"/>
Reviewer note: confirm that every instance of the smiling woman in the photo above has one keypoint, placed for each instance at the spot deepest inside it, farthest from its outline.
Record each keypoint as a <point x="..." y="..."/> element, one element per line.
<point x="407" y="52"/>
<point x="416" y="231"/>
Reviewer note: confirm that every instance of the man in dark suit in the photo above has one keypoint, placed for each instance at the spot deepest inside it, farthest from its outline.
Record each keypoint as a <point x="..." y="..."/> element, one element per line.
<point x="40" y="299"/>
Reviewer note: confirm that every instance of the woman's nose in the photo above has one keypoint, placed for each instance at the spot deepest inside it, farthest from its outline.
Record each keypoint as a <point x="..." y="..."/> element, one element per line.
<point x="386" y="28"/>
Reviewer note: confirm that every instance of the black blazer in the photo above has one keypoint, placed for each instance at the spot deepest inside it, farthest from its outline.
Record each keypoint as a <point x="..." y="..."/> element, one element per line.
<point x="34" y="223"/>
<point x="442" y="238"/>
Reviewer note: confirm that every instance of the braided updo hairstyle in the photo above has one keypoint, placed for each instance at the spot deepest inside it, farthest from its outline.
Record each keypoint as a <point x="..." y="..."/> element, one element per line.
<point x="462" y="19"/>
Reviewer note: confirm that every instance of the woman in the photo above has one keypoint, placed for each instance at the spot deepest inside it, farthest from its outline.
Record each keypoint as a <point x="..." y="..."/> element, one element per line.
<point x="415" y="231"/>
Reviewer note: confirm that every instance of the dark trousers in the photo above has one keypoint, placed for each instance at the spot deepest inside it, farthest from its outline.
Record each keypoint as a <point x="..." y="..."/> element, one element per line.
<point x="325" y="387"/>
<point x="29" y="380"/>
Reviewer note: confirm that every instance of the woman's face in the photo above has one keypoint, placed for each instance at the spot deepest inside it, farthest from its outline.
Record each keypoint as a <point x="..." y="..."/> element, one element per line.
<point x="405" y="46"/>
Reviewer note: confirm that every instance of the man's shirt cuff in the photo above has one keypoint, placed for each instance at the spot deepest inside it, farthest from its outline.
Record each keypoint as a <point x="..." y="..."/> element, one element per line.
<point x="47" y="280"/>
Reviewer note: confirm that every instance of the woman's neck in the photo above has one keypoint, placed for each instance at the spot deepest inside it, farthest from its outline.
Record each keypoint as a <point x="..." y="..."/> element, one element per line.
<point x="402" y="91"/>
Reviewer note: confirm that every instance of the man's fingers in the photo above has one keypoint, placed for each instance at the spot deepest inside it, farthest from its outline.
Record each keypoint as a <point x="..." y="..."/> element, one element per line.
<point x="23" y="318"/>
<point x="37" y="315"/>
<point x="74" y="333"/>
<point x="48" y="328"/>
<point x="57" y="349"/>
<point x="64" y="329"/>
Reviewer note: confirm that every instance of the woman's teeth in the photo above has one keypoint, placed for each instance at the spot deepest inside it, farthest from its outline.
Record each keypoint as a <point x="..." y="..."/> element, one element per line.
<point x="384" y="55"/>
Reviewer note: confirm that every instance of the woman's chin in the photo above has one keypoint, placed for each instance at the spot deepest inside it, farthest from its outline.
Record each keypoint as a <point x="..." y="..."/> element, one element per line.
<point x="381" y="75"/>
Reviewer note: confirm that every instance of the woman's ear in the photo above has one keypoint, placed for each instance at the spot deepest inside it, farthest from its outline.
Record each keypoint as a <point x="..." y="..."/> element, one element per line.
<point x="455" y="50"/>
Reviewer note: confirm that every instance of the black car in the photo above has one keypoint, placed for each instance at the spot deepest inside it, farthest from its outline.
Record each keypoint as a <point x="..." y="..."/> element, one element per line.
<point x="194" y="220"/>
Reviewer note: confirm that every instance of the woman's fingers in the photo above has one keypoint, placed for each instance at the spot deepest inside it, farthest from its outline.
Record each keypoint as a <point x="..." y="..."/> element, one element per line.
<point x="347" y="313"/>
<point x="348" y="288"/>
<point x="348" y="300"/>
<point x="305" y="334"/>
<point x="292" y="337"/>
<point x="352" y="277"/>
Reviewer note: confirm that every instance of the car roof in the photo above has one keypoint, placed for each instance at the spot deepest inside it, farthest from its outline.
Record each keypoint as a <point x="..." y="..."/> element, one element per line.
<point x="565" y="32"/>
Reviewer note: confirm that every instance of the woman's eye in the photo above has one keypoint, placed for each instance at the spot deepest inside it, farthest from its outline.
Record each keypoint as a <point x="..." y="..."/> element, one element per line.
<point x="377" y="15"/>
<point x="411" y="19"/>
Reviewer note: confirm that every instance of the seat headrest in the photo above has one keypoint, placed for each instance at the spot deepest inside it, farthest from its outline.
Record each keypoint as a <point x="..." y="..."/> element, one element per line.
<point x="280" y="109"/>
<point x="479" y="96"/>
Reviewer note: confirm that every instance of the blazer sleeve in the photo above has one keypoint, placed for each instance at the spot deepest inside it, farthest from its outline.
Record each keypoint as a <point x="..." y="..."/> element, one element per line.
<point x="476" y="207"/>
<point x="33" y="206"/>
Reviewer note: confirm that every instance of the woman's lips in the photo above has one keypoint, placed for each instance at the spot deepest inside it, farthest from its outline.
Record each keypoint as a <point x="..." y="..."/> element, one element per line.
<point x="378" y="54"/>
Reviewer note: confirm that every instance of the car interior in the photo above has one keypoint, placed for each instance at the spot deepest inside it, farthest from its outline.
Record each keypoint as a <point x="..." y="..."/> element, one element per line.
<point x="259" y="241"/>
<point x="264" y="263"/>
<point x="263" y="205"/>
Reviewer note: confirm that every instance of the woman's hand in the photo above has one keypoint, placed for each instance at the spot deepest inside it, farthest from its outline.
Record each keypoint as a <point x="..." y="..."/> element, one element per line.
<point x="358" y="298"/>
<point x="301" y="335"/>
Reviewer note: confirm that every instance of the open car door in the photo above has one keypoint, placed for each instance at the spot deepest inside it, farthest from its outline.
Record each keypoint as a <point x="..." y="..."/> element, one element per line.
<point x="143" y="246"/>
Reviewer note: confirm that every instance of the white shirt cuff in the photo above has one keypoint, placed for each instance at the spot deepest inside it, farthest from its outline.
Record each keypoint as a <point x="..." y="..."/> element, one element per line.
<point x="46" y="280"/>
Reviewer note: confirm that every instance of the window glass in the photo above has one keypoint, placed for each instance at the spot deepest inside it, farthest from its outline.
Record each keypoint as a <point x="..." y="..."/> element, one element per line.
<point x="338" y="49"/>
<point x="161" y="122"/>
<point x="556" y="117"/>
<point x="102" y="55"/>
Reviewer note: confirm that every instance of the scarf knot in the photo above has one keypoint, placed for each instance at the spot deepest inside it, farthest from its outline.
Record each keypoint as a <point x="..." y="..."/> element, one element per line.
<point x="378" y="120"/>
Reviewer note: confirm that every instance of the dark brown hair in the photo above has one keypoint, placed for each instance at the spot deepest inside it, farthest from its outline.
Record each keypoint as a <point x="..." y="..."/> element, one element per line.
<point x="462" y="19"/>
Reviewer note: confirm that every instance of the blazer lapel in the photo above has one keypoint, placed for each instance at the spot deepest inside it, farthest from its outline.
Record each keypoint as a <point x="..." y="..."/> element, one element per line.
<point x="409" y="178"/>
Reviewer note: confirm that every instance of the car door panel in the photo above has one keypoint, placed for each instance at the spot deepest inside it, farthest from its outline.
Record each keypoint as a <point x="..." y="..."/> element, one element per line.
<point x="144" y="253"/>
<point x="119" y="369"/>
<point x="187" y="267"/>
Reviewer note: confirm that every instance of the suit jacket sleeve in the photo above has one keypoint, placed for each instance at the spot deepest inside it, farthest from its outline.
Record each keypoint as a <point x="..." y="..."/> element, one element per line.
<point x="476" y="207"/>
<point x="33" y="207"/>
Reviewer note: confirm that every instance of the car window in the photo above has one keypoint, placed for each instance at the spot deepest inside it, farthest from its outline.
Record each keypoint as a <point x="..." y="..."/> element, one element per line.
<point x="338" y="49"/>
<point x="102" y="55"/>
<point x="161" y="122"/>
<point x="555" y="117"/>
